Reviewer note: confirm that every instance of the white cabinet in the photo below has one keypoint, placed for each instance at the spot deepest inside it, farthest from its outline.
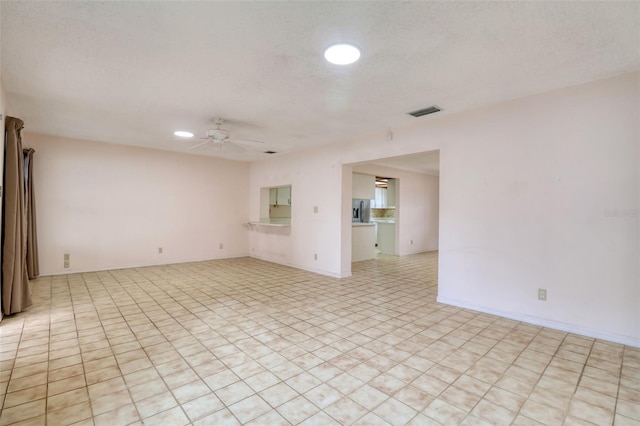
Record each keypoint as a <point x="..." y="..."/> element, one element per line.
<point x="363" y="186"/>
<point x="363" y="241"/>
<point x="391" y="193"/>
<point x="381" y="198"/>
<point x="386" y="197"/>
<point x="280" y="196"/>
<point x="284" y="196"/>
<point x="387" y="238"/>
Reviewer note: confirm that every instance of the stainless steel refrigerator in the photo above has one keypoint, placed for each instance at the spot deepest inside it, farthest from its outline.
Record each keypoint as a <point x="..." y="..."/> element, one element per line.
<point x="361" y="211"/>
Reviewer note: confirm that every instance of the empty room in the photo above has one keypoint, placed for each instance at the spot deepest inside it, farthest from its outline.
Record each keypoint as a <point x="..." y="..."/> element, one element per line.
<point x="320" y="213"/>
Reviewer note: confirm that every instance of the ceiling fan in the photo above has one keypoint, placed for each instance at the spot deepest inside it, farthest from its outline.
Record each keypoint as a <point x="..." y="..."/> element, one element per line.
<point x="221" y="137"/>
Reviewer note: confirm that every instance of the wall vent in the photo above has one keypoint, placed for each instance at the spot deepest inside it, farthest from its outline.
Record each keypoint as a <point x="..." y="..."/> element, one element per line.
<point x="425" y="111"/>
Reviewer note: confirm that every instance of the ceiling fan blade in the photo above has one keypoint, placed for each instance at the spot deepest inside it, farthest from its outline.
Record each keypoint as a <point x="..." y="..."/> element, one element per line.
<point x="197" y="145"/>
<point x="245" y="140"/>
<point x="232" y="143"/>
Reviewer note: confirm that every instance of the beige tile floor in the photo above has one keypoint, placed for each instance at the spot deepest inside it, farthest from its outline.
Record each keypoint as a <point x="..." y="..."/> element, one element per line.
<point x="242" y="341"/>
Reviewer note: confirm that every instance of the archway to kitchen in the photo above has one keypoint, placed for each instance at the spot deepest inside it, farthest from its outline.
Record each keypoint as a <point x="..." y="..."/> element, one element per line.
<point x="402" y="218"/>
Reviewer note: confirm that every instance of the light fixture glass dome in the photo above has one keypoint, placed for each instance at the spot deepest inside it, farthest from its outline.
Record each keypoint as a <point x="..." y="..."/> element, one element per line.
<point x="183" y="134"/>
<point x="342" y="53"/>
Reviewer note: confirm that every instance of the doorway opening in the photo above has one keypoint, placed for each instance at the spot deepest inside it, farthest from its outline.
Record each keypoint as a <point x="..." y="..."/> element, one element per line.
<point x="404" y="206"/>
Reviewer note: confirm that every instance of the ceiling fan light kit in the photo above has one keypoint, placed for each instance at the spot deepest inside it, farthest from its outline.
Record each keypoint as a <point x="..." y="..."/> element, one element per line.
<point x="217" y="134"/>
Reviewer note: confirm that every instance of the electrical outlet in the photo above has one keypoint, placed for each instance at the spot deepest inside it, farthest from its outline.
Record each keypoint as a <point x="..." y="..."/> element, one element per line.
<point x="315" y="256"/>
<point x="221" y="246"/>
<point x="542" y="294"/>
<point x="160" y="250"/>
<point x="66" y="263"/>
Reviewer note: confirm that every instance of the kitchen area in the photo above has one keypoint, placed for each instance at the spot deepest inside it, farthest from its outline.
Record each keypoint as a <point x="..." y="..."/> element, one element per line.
<point x="373" y="216"/>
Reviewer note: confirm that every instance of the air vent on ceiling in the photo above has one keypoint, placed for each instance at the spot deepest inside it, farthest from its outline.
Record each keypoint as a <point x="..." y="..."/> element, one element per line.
<point x="425" y="111"/>
<point x="270" y="152"/>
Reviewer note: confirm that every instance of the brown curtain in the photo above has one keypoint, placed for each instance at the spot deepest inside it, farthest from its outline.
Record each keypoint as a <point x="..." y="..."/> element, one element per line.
<point x="33" y="270"/>
<point x="16" y="294"/>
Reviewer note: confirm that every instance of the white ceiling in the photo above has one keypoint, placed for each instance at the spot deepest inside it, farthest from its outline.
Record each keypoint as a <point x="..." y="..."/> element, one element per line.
<point x="133" y="72"/>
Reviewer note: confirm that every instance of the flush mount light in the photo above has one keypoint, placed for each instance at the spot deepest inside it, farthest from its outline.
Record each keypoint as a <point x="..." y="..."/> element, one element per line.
<point x="342" y="53"/>
<point x="183" y="134"/>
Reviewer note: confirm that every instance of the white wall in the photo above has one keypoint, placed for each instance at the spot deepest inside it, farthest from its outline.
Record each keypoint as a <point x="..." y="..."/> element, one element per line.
<point x="3" y="111"/>
<point x="314" y="178"/>
<point x="3" y="99"/>
<point x="417" y="209"/>
<point x="523" y="188"/>
<point x="113" y="206"/>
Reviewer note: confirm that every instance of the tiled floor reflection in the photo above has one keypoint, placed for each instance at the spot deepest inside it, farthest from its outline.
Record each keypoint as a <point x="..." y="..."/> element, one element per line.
<point x="242" y="341"/>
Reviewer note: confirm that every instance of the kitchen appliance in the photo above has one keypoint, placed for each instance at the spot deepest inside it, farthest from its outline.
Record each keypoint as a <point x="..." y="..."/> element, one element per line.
<point x="361" y="211"/>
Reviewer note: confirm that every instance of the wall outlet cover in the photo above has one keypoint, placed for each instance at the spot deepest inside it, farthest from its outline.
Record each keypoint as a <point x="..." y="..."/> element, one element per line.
<point x="542" y="294"/>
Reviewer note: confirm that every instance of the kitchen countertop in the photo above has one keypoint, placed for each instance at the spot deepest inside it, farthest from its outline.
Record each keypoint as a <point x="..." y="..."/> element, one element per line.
<point x="362" y="224"/>
<point x="383" y="220"/>
<point x="285" y="221"/>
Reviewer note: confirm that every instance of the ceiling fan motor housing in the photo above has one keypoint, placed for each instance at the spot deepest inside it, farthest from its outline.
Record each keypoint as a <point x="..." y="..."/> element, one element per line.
<point x="217" y="134"/>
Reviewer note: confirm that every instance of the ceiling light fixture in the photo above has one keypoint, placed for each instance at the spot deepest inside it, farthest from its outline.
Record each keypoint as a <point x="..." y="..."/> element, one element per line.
<point x="342" y="53"/>
<point x="183" y="134"/>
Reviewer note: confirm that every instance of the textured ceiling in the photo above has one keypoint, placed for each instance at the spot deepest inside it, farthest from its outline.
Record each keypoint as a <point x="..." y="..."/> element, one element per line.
<point x="133" y="72"/>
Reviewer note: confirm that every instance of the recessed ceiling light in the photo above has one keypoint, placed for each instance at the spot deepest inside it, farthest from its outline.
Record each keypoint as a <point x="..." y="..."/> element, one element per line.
<point x="183" y="134"/>
<point x="342" y="53"/>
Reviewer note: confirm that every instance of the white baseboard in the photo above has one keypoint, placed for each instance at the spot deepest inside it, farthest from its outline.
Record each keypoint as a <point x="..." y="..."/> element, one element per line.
<point x="71" y="271"/>
<point x="543" y="322"/>
<point x="129" y="266"/>
<point x="314" y="270"/>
